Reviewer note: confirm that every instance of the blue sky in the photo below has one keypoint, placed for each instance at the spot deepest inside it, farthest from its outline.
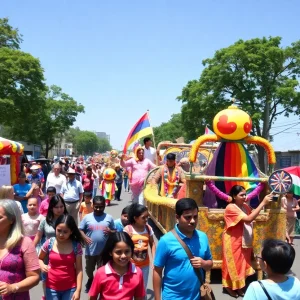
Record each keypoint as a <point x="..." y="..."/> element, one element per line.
<point x="120" y="58"/>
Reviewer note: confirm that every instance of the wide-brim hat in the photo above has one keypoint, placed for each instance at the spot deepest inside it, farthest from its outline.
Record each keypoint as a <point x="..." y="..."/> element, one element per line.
<point x="34" y="167"/>
<point x="71" y="171"/>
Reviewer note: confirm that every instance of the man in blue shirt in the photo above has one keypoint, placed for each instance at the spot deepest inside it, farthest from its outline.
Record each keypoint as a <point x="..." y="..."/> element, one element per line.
<point x="180" y="281"/>
<point x="95" y="229"/>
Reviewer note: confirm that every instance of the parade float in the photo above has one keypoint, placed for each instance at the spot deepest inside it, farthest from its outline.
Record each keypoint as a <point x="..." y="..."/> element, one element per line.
<point x="230" y="164"/>
<point x="13" y="150"/>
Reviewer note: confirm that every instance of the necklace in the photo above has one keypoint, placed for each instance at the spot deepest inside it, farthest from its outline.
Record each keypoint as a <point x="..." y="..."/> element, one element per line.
<point x="171" y="180"/>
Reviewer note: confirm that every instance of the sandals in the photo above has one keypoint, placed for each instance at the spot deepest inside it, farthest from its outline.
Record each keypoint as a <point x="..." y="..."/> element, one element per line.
<point x="241" y="293"/>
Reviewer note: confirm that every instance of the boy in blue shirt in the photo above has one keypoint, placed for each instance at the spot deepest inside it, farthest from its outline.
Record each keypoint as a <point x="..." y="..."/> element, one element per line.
<point x="95" y="229"/>
<point x="123" y="221"/>
<point x="276" y="259"/>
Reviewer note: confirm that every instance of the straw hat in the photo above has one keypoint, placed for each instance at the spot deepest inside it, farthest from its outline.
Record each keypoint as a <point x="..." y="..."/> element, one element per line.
<point x="71" y="171"/>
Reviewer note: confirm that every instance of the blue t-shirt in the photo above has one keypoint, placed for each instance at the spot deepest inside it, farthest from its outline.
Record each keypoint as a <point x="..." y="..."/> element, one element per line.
<point x="22" y="189"/>
<point x="287" y="290"/>
<point x="180" y="281"/>
<point x="93" y="227"/>
<point x="119" y="226"/>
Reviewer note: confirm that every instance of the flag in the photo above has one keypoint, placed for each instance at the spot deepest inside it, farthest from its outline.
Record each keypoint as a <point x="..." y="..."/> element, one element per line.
<point x="141" y="129"/>
<point x="295" y="173"/>
<point x="208" y="131"/>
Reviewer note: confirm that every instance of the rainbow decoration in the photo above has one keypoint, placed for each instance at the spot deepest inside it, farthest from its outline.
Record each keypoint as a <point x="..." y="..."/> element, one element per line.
<point x="230" y="160"/>
<point x="141" y="129"/>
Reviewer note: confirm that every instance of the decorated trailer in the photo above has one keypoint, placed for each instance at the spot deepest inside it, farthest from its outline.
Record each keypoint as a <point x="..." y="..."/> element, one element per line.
<point x="231" y="164"/>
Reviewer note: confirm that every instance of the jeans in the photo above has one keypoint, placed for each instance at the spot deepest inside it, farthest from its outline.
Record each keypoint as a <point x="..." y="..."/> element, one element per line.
<point x="145" y="271"/>
<point x="59" y="295"/>
<point x="125" y="183"/>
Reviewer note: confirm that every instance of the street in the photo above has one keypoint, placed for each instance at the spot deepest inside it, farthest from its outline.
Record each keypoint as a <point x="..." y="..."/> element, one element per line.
<point x="115" y="210"/>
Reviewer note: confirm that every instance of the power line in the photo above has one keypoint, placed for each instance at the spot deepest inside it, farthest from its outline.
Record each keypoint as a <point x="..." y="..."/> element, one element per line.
<point x="285" y="129"/>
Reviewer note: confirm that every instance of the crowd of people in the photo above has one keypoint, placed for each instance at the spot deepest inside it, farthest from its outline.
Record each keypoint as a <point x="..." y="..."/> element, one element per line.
<point x="47" y="224"/>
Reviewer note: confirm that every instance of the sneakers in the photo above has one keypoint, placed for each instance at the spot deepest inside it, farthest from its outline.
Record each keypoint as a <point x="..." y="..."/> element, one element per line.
<point x="88" y="285"/>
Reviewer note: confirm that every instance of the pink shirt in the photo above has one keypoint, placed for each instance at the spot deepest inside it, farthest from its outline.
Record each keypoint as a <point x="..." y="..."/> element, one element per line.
<point x="140" y="170"/>
<point x="44" y="207"/>
<point x="14" y="265"/>
<point x="31" y="224"/>
<point x="62" y="272"/>
<point x="111" y="286"/>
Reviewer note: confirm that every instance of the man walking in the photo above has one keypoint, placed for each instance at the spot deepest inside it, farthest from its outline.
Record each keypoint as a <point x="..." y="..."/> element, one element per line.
<point x="72" y="192"/>
<point x="172" y="260"/>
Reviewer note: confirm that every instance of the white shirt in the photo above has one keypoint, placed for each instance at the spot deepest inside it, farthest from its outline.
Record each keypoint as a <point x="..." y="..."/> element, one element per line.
<point x="56" y="181"/>
<point x="71" y="190"/>
<point x="150" y="154"/>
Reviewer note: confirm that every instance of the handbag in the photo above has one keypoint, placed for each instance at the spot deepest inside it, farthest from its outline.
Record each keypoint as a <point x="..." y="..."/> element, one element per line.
<point x="264" y="289"/>
<point x="206" y="292"/>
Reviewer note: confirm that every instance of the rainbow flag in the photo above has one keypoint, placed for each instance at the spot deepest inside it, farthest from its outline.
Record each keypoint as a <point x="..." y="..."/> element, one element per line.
<point x="141" y="129"/>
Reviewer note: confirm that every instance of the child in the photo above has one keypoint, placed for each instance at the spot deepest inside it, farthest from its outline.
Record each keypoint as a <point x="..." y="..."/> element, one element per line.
<point x="123" y="221"/>
<point x="142" y="236"/>
<point x="36" y="192"/>
<point x="291" y="206"/>
<point x="64" y="271"/>
<point x="32" y="219"/>
<point x="86" y="206"/>
<point x="276" y="260"/>
<point x="95" y="229"/>
<point x="118" y="278"/>
<point x="51" y="191"/>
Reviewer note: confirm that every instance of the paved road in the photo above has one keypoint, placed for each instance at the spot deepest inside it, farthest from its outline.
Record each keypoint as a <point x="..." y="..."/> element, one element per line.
<point x="115" y="210"/>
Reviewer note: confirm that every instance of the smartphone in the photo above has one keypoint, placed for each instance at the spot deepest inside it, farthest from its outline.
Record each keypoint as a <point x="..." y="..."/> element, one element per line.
<point x="275" y="198"/>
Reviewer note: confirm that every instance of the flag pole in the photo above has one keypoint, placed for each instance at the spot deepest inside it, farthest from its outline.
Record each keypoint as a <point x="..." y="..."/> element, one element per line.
<point x="154" y="144"/>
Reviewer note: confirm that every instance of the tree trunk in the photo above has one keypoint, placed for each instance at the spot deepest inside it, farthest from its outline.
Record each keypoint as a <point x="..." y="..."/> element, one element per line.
<point x="46" y="149"/>
<point x="262" y="159"/>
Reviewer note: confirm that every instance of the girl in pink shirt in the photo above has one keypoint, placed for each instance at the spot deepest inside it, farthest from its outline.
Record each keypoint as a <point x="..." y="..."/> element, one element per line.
<point x="51" y="191"/>
<point x="64" y="279"/>
<point x="118" y="278"/>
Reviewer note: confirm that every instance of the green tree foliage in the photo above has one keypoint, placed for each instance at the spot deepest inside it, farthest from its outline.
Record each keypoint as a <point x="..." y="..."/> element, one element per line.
<point x="169" y="131"/>
<point x="22" y="87"/>
<point x="9" y="37"/>
<point x="84" y="142"/>
<point x="58" y="116"/>
<point x="260" y="73"/>
<point x="104" y="145"/>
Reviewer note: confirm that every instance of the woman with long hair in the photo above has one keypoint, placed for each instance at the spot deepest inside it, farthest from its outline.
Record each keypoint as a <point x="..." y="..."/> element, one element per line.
<point x="18" y="258"/>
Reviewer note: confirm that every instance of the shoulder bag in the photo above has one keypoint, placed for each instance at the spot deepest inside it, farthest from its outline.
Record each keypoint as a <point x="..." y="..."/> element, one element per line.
<point x="206" y="292"/>
<point x="265" y="290"/>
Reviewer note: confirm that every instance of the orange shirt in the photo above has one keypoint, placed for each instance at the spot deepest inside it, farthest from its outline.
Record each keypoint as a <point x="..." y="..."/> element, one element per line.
<point x="140" y="240"/>
<point x="85" y="208"/>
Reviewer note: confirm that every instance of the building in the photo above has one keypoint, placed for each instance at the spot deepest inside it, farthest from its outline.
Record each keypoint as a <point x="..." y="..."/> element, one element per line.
<point x="288" y="158"/>
<point x="31" y="150"/>
<point x="61" y="148"/>
<point x="103" y="135"/>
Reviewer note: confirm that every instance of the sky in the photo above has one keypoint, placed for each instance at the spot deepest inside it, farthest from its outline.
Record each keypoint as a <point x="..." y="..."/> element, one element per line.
<point x="122" y="58"/>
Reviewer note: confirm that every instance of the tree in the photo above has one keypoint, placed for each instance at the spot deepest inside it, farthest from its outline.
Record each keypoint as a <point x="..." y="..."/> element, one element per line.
<point x="169" y="131"/>
<point x="86" y="143"/>
<point x="22" y="87"/>
<point x="260" y="73"/>
<point x="9" y="37"/>
<point x="104" y="145"/>
<point x="59" y="115"/>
